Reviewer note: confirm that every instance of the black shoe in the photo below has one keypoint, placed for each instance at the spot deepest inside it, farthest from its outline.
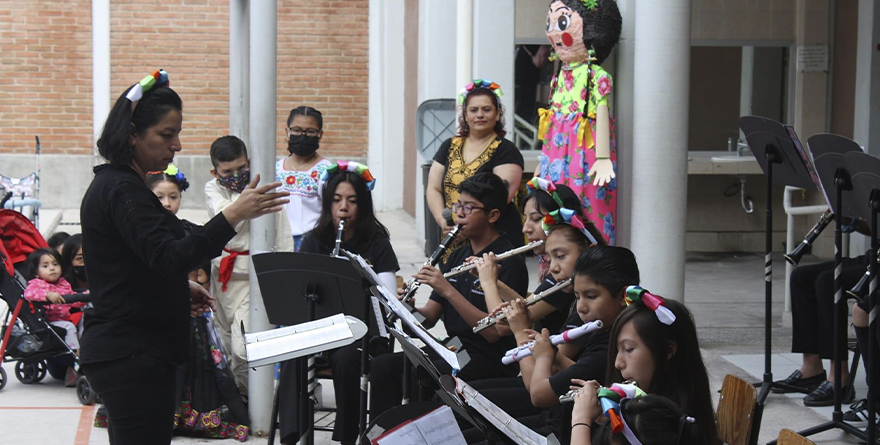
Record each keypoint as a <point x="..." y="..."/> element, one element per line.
<point x="795" y="379"/>
<point x="824" y="395"/>
<point x="858" y="413"/>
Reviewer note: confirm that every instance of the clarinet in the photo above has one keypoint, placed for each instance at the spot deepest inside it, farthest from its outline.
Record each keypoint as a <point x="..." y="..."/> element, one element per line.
<point x="339" y="232"/>
<point x="520" y="352"/>
<point x="485" y="323"/>
<point x="467" y="267"/>
<point x="413" y="285"/>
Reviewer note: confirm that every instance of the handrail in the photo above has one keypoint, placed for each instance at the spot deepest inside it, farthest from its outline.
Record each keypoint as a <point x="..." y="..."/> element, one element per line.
<point x="521" y="124"/>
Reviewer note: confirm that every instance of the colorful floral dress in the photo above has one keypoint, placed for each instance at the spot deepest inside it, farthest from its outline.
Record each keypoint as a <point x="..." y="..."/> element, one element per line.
<point x="568" y="154"/>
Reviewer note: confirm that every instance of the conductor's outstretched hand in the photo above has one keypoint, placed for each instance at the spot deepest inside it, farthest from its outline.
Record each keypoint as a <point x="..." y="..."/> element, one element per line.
<point x="256" y="201"/>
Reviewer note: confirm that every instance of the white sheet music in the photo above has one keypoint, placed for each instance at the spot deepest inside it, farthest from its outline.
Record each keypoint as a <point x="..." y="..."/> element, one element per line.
<point x="500" y="419"/>
<point x="402" y="311"/>
<point x="275" y="345"/>
<point x="435" y="428"/>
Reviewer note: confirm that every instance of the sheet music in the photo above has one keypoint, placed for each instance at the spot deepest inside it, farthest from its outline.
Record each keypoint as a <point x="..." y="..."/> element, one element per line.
<point x="402" y="311"/>
<point x="499" y="418"/>
<point x="438" y="427"/>
<point x="268" y="347"/>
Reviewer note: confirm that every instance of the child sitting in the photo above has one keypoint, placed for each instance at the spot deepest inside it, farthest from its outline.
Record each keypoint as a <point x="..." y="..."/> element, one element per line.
<point x="231" y="288"/>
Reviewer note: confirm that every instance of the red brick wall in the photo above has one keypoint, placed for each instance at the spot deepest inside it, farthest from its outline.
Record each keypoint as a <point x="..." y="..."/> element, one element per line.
<point x="45" y="76"/>
<point x="45" y="68"/>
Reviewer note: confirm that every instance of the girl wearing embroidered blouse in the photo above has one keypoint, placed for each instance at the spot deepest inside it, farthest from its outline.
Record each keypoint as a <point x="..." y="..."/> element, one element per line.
<point x="479" y="147"/>
<point x="578" y="131"/>
<point x="47" y="285"/>
<point x="300" y="173"/>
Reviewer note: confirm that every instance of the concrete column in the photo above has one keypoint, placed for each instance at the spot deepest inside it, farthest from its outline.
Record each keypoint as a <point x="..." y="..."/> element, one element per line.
<point x="494" y="49"/>
<point x="387" y="79"/>
<point x="866" y="130"/>
<point x="101" y="100"/>
<point x="464" y="37"/>
<point x="436" y="79"/>
<point x="263" y="81"/>
<point x="660" y="122"/>
<point x="810" y="95"/>
<point x="624" y="105"/>
<point x="239" y="63"/>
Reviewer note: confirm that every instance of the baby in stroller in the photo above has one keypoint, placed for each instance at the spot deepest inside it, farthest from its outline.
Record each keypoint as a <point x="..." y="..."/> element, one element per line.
<point x="47" y="285"/>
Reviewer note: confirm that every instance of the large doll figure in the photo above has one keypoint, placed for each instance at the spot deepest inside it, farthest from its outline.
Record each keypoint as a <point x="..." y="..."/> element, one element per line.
<point x="579" y="148"/>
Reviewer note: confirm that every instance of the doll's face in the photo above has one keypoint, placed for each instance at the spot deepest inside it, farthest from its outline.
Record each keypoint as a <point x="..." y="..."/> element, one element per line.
<point x="565" y="30"/>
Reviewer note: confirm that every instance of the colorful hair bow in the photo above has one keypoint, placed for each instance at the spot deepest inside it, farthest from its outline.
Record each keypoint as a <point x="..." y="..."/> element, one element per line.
<point x="653" y="302"/>
<point x="479" y="83"/>
<point x="158" y="78"/>
<point x="537" y="183"/>
<point x="566" y="216"/>
<point x="174" y="172"/>
<point x="592" y="5"/>
<point x="610" y="398"/>
<point x="350" y="166"/>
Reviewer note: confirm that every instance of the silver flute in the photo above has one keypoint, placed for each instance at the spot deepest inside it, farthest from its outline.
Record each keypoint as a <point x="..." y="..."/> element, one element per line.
<point x="500" y="315"/>
<point x="572" y="393"/>
<point x="339" y="232"/>
<point x="467" y="267"/>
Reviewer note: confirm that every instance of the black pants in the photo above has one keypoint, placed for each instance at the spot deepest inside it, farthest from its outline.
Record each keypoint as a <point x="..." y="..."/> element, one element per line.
<point x="812" y="304"/>
<point x="386" y="377"/>
<point x="346" y="365"/>
<point x="138" y="393"/>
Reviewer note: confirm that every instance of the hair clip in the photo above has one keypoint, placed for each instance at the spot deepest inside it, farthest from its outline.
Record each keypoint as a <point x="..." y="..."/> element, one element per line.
<point x="610" y="398"/>
<point x="174" y="172"/>
<point x="158" y="78"/>
<point x="653" y="302"/>
<point x="566" y="216"/>
<point x="592" y="5"/>
<point x="479" y="83"/>
<point x="350" y="166"/>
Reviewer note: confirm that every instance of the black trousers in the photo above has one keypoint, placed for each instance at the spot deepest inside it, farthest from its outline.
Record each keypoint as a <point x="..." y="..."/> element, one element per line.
<point x="346" y="365"/>
<point x="138" y="393"/>
<point x="386" y="377"/>
<point x="812" y="304"/>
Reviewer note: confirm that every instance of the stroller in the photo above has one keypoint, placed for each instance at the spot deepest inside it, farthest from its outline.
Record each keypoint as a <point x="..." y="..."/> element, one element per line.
<point x="22" y="194"/>
<point x="27" y="338"/>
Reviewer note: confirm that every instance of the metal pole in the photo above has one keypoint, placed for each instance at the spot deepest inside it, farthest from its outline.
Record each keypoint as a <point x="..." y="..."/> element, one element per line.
<point x="239" y="74"/>
<point x="464" y="47"/>
<point x="262" y="86"/>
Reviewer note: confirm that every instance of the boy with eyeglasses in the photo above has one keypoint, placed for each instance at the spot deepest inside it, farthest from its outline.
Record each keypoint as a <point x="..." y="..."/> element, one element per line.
<point x="459" y="301"/>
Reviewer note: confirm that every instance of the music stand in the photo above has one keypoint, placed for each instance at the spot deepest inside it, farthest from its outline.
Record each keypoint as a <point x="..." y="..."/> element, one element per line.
<point x="865" y="170"/>
<point x="777" y="153"/>
<point x="828" y="152"/>
<point x="328" y="286"/>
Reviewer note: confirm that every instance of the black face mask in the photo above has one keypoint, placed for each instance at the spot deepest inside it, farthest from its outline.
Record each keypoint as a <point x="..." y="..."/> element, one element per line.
<point x="303" y="145"/>
<point x="80" y="273"/>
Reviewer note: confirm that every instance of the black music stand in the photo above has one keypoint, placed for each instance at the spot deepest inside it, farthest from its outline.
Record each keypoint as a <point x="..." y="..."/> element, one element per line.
<point x="777" y="152"/>
<point x="301" y="287"/>
<point x="865" y="170"/>
<point x="828" y="153"/>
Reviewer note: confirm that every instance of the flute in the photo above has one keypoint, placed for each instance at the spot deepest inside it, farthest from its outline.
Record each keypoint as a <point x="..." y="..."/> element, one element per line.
<point x="520" y="352"/>
<point x="339" y="232"/>
<point x="492" y="319"/>
<point x="570" y="395"/>
<point x="467" y="267"/>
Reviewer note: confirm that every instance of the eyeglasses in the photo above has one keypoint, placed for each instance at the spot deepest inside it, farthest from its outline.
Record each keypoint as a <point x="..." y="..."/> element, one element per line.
<point x="466" y="208"/>
<point x="296" y="131"/>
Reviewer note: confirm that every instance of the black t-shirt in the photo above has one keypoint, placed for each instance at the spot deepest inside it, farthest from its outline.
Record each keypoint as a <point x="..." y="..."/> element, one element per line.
<point x="590" y="365"/>
<point x="378" y="253"/>
<point x="139" y="257"/>
<point x="513" y="273"/>
<point x="510" y="222"/>
<point x="562" y="301"/>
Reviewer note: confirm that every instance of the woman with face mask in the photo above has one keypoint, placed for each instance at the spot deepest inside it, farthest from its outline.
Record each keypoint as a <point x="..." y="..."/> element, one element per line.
<point x="300" y="172"/>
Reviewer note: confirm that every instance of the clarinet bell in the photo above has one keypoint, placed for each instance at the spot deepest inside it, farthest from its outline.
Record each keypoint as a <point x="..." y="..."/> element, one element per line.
<point x="861" y="288"/>
<point x="794" y="257"/>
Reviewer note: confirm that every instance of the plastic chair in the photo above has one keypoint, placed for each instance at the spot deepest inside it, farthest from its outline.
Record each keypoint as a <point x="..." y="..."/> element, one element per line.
<point x="789" y="437"/>
<point x="736" y="411"/>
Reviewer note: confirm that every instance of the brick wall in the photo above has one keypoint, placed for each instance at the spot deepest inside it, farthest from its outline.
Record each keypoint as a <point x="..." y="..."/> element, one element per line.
<point x="45" y="68"/>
